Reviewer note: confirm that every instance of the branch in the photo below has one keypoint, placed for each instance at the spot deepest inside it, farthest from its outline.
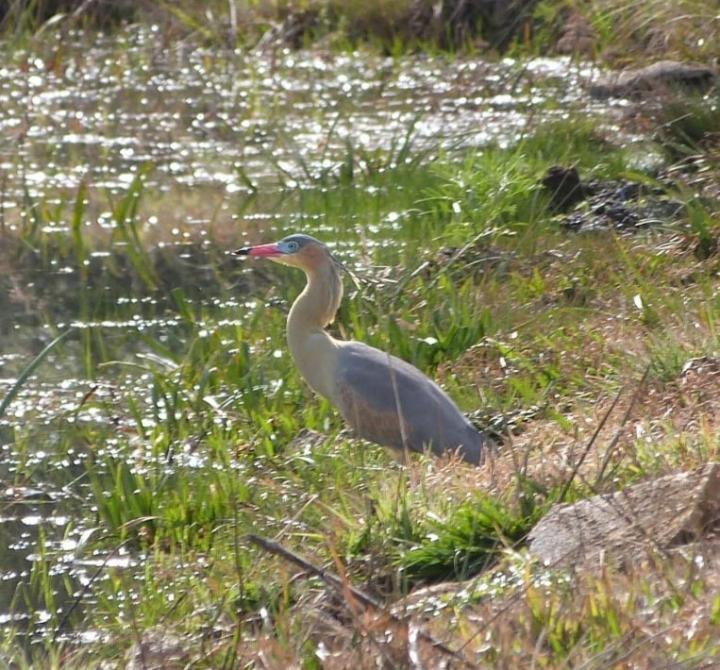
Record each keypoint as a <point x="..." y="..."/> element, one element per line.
<point x="367" y="601"/>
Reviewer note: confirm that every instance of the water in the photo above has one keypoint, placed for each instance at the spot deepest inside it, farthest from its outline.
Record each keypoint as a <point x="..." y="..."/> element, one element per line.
<point x="201" y="115"/>
<point x="228" y="142"/>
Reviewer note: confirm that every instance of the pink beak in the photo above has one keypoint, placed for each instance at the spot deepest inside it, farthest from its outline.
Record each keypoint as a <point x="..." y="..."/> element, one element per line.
<point x="260" y="250"/>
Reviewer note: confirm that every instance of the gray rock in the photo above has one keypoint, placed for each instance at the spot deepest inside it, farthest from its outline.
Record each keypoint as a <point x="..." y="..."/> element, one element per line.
<point x="661" y="514"/>
<point x="158" y="649"/>
<point x="654" y="79"/>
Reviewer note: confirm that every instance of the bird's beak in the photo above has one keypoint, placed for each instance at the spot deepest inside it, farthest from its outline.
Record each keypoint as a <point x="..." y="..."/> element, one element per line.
<point x="261" y="251"/>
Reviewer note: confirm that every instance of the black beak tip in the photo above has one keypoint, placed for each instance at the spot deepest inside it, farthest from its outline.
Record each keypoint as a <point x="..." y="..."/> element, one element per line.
<point x="244" y="251"/>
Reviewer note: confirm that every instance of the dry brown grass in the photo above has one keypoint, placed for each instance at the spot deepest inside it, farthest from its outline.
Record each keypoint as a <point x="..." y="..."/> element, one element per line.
<point x="643" y="614"/>
<point x="655" y="29"/>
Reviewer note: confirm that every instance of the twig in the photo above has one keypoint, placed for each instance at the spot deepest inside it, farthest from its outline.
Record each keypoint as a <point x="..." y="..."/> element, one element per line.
<point x="332" y="580"/>
<point x="81" y="594"/>
<point x="586" y="451"/>
<point x="618" y="432"/>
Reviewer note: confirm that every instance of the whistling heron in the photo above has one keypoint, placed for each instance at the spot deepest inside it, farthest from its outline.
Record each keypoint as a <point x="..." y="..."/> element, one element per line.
<point x="385" y="399"/>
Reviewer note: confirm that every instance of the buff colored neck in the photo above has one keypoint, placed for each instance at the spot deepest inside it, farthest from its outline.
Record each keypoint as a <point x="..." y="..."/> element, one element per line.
<point x="312" y="348"/>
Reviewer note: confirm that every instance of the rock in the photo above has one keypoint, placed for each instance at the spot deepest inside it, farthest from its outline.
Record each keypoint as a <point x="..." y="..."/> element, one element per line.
<point x="654" y="79"/>
<point x="158" y="649"/>
<point x="663" y="513"/>
<point x="564" y="187"/>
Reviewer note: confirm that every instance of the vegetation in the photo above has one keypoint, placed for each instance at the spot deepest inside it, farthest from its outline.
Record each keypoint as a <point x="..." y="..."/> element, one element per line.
<point x="153" y="408"/>
<point x="613" y="30"/>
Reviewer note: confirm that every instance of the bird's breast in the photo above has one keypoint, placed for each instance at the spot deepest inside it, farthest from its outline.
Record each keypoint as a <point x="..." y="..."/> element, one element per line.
<point x="316" y="357"/>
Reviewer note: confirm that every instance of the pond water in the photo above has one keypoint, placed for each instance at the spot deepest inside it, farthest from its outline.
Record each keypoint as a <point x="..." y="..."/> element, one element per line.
<point x="203" y="117"/>
<point x="225" y="141"/>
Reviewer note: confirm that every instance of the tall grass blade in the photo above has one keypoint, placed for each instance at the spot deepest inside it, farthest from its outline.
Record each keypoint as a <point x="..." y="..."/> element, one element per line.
<point x="125" y="217"/>
<point x="76" y="229"/>
<point x="25" y="374"/>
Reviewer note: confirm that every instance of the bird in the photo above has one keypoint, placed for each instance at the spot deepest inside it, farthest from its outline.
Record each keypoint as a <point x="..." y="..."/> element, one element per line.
<point x="385" y="399"/>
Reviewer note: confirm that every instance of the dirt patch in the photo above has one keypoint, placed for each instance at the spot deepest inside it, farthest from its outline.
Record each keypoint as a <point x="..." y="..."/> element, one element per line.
<point x="659" y="426"/>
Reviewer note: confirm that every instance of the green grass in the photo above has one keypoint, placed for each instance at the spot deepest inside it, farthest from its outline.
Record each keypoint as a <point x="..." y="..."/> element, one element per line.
<point x="469" y="541"/>
<point x="193" y="445"/>
<point x="186" y="430"/>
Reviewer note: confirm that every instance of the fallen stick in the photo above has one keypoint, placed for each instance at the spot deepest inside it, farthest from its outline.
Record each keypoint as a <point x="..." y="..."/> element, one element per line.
<point x="335" y="582"/>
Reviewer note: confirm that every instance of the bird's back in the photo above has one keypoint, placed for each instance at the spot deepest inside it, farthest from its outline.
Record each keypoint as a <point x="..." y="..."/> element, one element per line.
<point x="390" y="402"/>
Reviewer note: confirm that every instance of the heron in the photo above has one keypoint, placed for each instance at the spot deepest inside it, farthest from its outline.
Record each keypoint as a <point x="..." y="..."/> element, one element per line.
<point x="385" y="399"/>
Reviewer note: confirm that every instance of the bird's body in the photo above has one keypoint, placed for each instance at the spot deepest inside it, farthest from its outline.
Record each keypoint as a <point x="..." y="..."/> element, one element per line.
<point x="385" y="399"/>
<point x="394" y="412"/>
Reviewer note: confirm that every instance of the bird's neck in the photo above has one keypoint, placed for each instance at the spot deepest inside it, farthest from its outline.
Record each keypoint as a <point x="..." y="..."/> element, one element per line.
<point x="311" y="347"/>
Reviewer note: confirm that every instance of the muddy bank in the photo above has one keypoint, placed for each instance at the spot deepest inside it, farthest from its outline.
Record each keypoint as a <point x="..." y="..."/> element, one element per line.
<point x="488" y="27"/>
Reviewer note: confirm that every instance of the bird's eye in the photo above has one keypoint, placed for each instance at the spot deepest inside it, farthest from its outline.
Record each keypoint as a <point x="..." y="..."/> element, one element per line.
<point x="292" y="246"/>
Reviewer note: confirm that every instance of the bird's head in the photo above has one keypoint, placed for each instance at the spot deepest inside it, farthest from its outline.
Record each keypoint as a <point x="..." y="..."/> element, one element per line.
<point x="300" y="251"/>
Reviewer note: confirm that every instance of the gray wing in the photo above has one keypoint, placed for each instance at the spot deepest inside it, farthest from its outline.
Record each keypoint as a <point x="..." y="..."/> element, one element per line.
<point x="390" y="402"/>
